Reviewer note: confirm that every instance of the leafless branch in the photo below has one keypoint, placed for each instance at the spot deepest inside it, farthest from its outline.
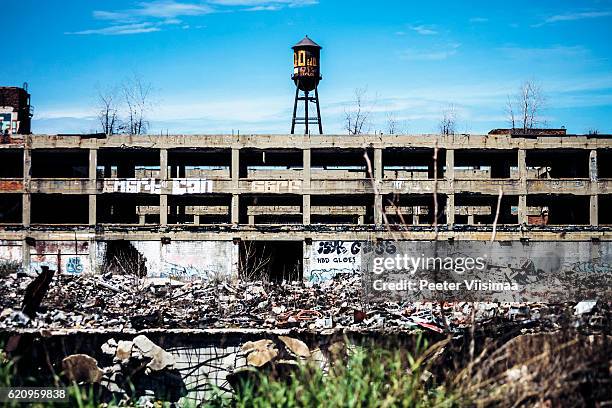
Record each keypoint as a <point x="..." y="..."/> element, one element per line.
<point x="448" y="122"/>
<point x="136" y="95"/>
<point x="356" y="116"/>
<point x="528" y="104"/>
<point x="254" y="264"/>
<point x="107" y="106"/>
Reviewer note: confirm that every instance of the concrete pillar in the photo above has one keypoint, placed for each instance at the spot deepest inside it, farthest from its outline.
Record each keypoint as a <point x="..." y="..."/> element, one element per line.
<point x="163" y="209"/>
<point x="306" y="187"/>
<point x="93" y="164"/>
<point x="522" y="169"/>
<point x="25" y="256"/>
<point x="93" y="249"/>
<point x="235" y="166"/>
<point x="522" y="209"/>
<point x="27" y="170"/>
<point x="449" y="175"/>
<point x="306" y="263"/>
<point x="306" y="209"/>
<point x="306" y="167"/>
<point x="93" y="208"/>
<point x="378" y="165"/>
<point x="594" y="210"/>
<point x="378" y="214"/>
<point x="378" y="175"/>
<point x="450" y="209"/>
<point x="593" y="165"/>
<point x="163" y="164"/>
<point x="522" y="164"/>
<point x="593" y="176"/>
<point x="26" y="201"/>
<point x="93" y="175"/>
<point x="235" y="210"/>
<point x="235" y="169"/>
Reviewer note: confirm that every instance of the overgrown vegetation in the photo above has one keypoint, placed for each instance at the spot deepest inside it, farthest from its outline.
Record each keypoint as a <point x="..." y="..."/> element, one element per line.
<point x="369" y="377"/>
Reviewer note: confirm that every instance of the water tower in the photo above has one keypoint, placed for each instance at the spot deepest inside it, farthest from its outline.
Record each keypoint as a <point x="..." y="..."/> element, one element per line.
<point x="306" y="76"/>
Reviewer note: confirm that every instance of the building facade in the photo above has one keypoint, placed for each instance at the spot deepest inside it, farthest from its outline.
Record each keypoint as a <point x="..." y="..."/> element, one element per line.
<point x="197" y="205"/>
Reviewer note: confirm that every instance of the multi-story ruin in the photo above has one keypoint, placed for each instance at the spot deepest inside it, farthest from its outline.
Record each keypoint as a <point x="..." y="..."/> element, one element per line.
<point x="15" y="111"/>
<point x="191" y="205"/>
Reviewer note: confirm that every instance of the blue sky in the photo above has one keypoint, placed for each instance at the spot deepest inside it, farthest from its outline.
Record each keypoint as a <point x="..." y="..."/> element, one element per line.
<point x="223" y="65"/>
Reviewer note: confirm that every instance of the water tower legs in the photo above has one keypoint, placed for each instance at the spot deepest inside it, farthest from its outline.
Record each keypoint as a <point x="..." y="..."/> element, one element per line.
<point x="306" y="119"/>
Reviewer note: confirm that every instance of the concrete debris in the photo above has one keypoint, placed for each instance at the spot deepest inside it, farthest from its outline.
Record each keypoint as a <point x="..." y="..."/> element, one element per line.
<point x="123" y="351"/>
<point x="127" y="302"/>
<point x="160" y="358"/>
<point x="297" y="347"/>
<point x="259" y="352"/>
<point x="82" y="368"/>
<point x="110" y="347"/>
<point x="586" y="306"/>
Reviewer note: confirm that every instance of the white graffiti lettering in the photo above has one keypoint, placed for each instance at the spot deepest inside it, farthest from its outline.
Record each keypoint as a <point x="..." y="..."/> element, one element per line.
<point x="276" y="186"/>
<point x="152" y="186"/>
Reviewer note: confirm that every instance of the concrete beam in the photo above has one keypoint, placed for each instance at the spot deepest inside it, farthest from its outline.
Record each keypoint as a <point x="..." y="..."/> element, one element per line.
<point x="261" y="141"/>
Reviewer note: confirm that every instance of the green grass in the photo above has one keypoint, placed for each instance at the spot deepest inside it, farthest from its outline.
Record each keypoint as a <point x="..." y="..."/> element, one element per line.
<point x="370" y="377"/>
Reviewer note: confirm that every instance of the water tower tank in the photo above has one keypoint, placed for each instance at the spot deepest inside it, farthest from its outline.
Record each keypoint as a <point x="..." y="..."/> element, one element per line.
<point x="306" y="64"/>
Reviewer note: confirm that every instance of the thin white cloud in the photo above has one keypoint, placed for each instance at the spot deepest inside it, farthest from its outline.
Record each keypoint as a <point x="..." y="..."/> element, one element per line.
<point x="123" y="29"/>
<point x="582" y="15"/>
<point x="423" y="29"/>
<point x="150" y="16"/>
<point x="430" y="55"/>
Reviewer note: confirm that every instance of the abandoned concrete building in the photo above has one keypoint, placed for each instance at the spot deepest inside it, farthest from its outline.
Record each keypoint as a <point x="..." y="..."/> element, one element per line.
<point x="15" y="110"/>
<point x="189" y="206"/>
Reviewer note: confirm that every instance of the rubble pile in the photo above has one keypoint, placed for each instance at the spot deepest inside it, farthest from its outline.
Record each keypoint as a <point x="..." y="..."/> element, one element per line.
<point x="136" y="366"/>
<point x="125" y="302"/>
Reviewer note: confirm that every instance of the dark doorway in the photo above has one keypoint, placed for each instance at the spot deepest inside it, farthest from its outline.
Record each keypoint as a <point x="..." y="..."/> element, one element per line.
<point x="271" y="260"/>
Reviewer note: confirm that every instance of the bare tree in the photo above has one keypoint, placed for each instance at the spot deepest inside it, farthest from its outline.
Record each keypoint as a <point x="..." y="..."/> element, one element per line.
<point x="448" y="122"/>
<point x="254" y="263"/>
<point x="357" y="115"/>
<point x="136" y="96"/>
<point x="108" y="111"/>
<point x="528" y="105"/>
<point x="392" y="124"/>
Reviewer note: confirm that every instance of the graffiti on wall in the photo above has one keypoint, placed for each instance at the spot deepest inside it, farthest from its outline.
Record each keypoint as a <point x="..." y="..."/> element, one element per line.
<point x="68" y="263"/>
<point x="153" y="186"/>
<point x="191" y="186"/>
<point x="276" y="186"/>
<point x="185" y="260"/>
<point x="62" y="256"/>
<point x="74" y="265"/>
<point x="329" y="258"/>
